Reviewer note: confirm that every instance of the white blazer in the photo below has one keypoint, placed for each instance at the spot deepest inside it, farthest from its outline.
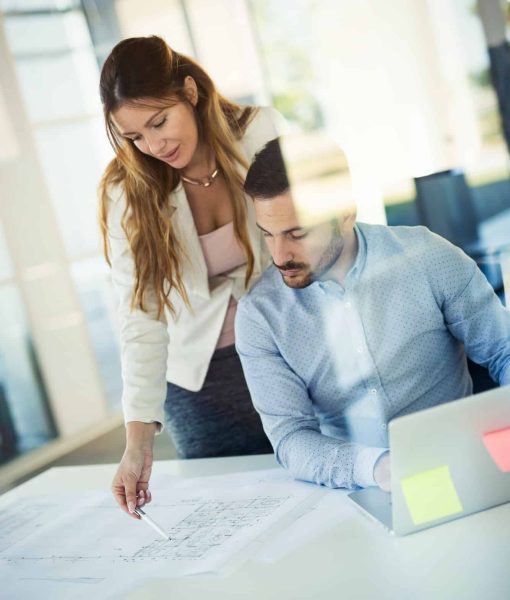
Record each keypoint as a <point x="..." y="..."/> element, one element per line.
<point x="178" y="349"/>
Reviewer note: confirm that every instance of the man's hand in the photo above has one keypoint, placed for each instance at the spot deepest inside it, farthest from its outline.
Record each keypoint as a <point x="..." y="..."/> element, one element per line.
<point x="382" y="472"/>
<point x="130" y="486"/>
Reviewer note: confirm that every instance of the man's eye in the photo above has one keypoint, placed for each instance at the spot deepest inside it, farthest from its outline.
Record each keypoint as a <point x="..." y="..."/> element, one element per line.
<point x="299" y="236"/>
<point x="266" y="234"/>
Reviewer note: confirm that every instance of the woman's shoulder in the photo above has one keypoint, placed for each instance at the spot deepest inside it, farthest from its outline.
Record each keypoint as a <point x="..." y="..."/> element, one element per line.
<point x="267" y="118"/>
<point x="265" y="125"/>
<point x="115" y="205"/>
<point x="111" y="186"/>
<point x="115" y="193"/>
<point x="115" y="198"/>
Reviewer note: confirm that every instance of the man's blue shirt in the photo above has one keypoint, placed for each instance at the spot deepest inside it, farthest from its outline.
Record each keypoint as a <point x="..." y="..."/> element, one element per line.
<point x="329" y="365"/>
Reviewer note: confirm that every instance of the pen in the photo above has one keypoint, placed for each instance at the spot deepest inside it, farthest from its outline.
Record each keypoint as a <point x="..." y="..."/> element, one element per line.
<point x="145" y="517"/>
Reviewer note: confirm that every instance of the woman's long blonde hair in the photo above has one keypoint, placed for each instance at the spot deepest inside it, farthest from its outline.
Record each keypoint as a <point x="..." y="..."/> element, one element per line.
<point x="140" y="71"/>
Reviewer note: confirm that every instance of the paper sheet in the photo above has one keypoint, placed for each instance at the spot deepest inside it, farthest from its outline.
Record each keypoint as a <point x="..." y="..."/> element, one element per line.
<point x="330" y="508"/>
<point x="91" y="543"/>
<point x="239" y="479"/>
<point x="327" y="509"/>
<point x="31" y="579"/>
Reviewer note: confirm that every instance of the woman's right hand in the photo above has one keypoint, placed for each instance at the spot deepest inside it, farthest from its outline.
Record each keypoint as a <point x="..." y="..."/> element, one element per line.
<point x="130" y="486"/>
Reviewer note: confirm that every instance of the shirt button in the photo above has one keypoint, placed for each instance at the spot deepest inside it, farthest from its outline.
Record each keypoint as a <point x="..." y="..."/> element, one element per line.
<point x="359" y="350"/>
<point x="373" y="391"/>
<point x="347" y="305"/>
<point x="383" y="426"/>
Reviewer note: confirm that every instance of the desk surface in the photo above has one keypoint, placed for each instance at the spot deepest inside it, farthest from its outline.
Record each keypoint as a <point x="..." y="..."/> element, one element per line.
<point x="467" y="559"/>
<point x="495" y="231"/>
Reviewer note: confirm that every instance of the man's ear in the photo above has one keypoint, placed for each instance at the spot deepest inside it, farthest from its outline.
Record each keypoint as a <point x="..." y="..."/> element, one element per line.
<point x="191" y="90"/>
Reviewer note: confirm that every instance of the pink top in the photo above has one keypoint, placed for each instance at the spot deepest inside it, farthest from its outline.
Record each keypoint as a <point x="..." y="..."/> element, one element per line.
<point x="223" y="253"/>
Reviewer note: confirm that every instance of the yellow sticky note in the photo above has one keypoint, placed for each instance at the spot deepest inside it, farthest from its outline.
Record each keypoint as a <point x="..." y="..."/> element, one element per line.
<point x="431" y="495"/>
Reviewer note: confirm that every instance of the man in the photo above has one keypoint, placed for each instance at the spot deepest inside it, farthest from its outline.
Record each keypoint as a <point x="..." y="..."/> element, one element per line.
<point x="352" y="326"/>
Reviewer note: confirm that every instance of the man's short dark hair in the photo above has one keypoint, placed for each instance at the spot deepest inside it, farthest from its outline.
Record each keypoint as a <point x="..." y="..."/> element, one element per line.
<point x="267" y="175"/>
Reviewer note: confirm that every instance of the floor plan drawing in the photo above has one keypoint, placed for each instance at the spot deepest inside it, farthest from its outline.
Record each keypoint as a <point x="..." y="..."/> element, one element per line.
<point x="86" y="539"/>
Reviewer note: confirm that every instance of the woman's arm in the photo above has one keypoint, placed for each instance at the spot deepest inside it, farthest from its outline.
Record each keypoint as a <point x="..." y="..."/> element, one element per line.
<point x="144" y="350"/>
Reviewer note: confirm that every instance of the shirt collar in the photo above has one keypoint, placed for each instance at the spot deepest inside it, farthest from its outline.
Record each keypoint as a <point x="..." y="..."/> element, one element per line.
<point x="361" y="258"/>
<point x="356" y="269"/>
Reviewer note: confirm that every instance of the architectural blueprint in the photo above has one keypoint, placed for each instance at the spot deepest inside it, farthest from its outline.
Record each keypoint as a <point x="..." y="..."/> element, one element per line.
<point x="83" y="540"/>
<point x="328" y="508"/>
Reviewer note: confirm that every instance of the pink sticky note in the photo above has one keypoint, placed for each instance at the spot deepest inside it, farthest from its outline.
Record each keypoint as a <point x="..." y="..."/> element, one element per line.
<point x="498" y="446"/>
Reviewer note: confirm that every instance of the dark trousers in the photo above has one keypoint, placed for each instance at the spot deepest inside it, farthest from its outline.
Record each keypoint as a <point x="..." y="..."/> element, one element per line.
<point x="218" y="420"/>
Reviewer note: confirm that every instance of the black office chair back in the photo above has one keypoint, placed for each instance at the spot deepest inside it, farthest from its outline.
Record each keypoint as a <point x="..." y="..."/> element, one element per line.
<point x="445" y="206"/>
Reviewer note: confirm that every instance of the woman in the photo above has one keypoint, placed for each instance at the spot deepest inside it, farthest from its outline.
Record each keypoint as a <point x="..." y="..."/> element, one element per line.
<point x="183" y="245"/>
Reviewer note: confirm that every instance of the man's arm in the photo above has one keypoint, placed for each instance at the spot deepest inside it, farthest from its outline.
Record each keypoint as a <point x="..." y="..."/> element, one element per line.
<point x="281" y="398"/>
<point x="474" y="314"/>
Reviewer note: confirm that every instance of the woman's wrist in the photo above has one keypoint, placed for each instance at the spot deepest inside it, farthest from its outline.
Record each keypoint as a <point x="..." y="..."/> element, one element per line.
<point x="140" y="435"/>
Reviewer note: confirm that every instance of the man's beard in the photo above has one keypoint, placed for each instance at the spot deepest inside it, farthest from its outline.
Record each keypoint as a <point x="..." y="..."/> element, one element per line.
<point x="298" y="281"/>
<point x="328" y="258"/>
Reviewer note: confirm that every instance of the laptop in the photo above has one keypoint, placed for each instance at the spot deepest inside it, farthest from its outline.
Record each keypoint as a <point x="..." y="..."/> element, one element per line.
<point x="447" y="462"/>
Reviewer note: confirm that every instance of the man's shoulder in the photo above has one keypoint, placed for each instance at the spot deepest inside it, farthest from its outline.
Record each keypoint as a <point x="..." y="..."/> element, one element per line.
<point x="395" y="233"/>
<point x="416" y="247"/>
<point x="403" y="238"/>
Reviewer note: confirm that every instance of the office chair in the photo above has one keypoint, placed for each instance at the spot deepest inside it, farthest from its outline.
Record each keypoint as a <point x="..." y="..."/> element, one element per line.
<point x="445" y="205"/>
<point x="8" y="437"/>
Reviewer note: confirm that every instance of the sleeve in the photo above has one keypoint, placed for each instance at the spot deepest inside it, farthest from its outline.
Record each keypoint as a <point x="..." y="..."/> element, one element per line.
<point x="472" y="311"/>
<point x="143" y="338"/>
<point x="281" y="398"/>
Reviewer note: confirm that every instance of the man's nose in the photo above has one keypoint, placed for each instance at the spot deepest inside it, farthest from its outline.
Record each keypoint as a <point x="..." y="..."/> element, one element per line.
<point x="282" y="251"/>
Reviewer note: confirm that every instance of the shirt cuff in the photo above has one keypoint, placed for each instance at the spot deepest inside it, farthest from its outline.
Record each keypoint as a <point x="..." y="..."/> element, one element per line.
<point x="363" y="472"/>
<point x="505" y="379"/>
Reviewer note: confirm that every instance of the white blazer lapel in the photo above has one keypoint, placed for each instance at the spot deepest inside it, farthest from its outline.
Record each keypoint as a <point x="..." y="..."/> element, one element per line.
<point x="195" y="270"/>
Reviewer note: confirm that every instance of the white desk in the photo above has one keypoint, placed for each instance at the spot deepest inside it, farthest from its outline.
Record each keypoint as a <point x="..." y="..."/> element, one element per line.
<point x="495" y="231"/>
<point x="467" y="559"/>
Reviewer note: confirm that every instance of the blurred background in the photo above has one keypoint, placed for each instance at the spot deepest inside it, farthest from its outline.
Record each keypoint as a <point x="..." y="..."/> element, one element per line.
<point x="415" y="93"/>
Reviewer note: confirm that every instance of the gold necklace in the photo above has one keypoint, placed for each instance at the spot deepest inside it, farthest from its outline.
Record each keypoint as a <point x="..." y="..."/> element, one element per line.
<point x="209" y="179"/>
